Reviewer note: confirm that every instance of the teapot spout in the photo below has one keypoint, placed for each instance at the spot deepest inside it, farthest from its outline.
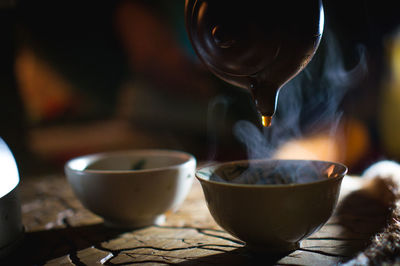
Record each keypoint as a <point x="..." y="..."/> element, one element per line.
<point x="265" y="100"/>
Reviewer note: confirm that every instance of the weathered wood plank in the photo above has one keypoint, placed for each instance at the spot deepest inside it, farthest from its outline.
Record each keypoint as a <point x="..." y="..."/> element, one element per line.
<point x="61" y="232"/>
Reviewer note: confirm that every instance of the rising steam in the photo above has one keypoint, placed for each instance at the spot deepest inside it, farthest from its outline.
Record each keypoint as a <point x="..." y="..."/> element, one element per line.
<point x="309" y="102"/>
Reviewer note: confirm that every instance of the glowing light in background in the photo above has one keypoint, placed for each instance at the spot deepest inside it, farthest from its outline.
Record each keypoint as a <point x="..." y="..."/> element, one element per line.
<point x="9" y="177"/>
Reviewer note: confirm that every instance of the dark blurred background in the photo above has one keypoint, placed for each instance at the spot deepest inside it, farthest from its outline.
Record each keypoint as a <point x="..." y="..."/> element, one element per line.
<point x="79" y="77"/>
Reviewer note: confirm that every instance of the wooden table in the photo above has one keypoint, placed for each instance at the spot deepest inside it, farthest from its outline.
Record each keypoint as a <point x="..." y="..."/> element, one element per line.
<point x="60" y="231"/>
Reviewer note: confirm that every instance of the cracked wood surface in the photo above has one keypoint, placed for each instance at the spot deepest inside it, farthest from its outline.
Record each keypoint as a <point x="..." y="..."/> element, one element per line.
<point x="60" y="231"/>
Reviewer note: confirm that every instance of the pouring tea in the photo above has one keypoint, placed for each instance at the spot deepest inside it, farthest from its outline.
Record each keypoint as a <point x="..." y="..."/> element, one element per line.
<point x="255" y="45"/>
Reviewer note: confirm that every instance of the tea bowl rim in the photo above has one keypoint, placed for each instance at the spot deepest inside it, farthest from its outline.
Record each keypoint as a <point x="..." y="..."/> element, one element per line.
<point x="83" y="161"/>
<point x="269" y="186"/>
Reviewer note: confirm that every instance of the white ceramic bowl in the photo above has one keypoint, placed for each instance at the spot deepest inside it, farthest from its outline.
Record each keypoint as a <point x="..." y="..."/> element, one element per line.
<point x="271" y="217"/>
<point x="134" y="188"/>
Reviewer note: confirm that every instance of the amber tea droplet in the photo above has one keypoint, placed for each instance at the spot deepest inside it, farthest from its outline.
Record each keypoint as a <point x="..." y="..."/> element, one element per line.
<point x="266" y="120"/>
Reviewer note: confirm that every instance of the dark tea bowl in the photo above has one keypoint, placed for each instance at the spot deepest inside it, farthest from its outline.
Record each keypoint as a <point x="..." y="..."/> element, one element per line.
<point x="272" y="205"/>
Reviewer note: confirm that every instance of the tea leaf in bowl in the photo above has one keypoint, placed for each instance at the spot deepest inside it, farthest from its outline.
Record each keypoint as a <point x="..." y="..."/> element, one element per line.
<point x="139" y="165"/>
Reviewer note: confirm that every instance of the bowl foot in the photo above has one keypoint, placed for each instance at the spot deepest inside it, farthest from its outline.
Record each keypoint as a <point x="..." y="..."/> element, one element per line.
<point x="157" y="220"/>
<point x="275" y="249"/>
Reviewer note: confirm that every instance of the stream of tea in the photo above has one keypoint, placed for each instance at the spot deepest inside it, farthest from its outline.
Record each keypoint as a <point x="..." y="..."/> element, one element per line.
<point x="255" y="45"/>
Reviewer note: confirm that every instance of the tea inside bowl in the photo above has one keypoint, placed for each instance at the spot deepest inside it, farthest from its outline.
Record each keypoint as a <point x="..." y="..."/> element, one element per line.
<point x="136" y="160"/>
<point x="275" y="172"/>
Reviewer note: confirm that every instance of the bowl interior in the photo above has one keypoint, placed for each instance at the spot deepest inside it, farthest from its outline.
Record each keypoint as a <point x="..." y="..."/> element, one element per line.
<point x="272" y="172"/>
<point x="138" y="160"/>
